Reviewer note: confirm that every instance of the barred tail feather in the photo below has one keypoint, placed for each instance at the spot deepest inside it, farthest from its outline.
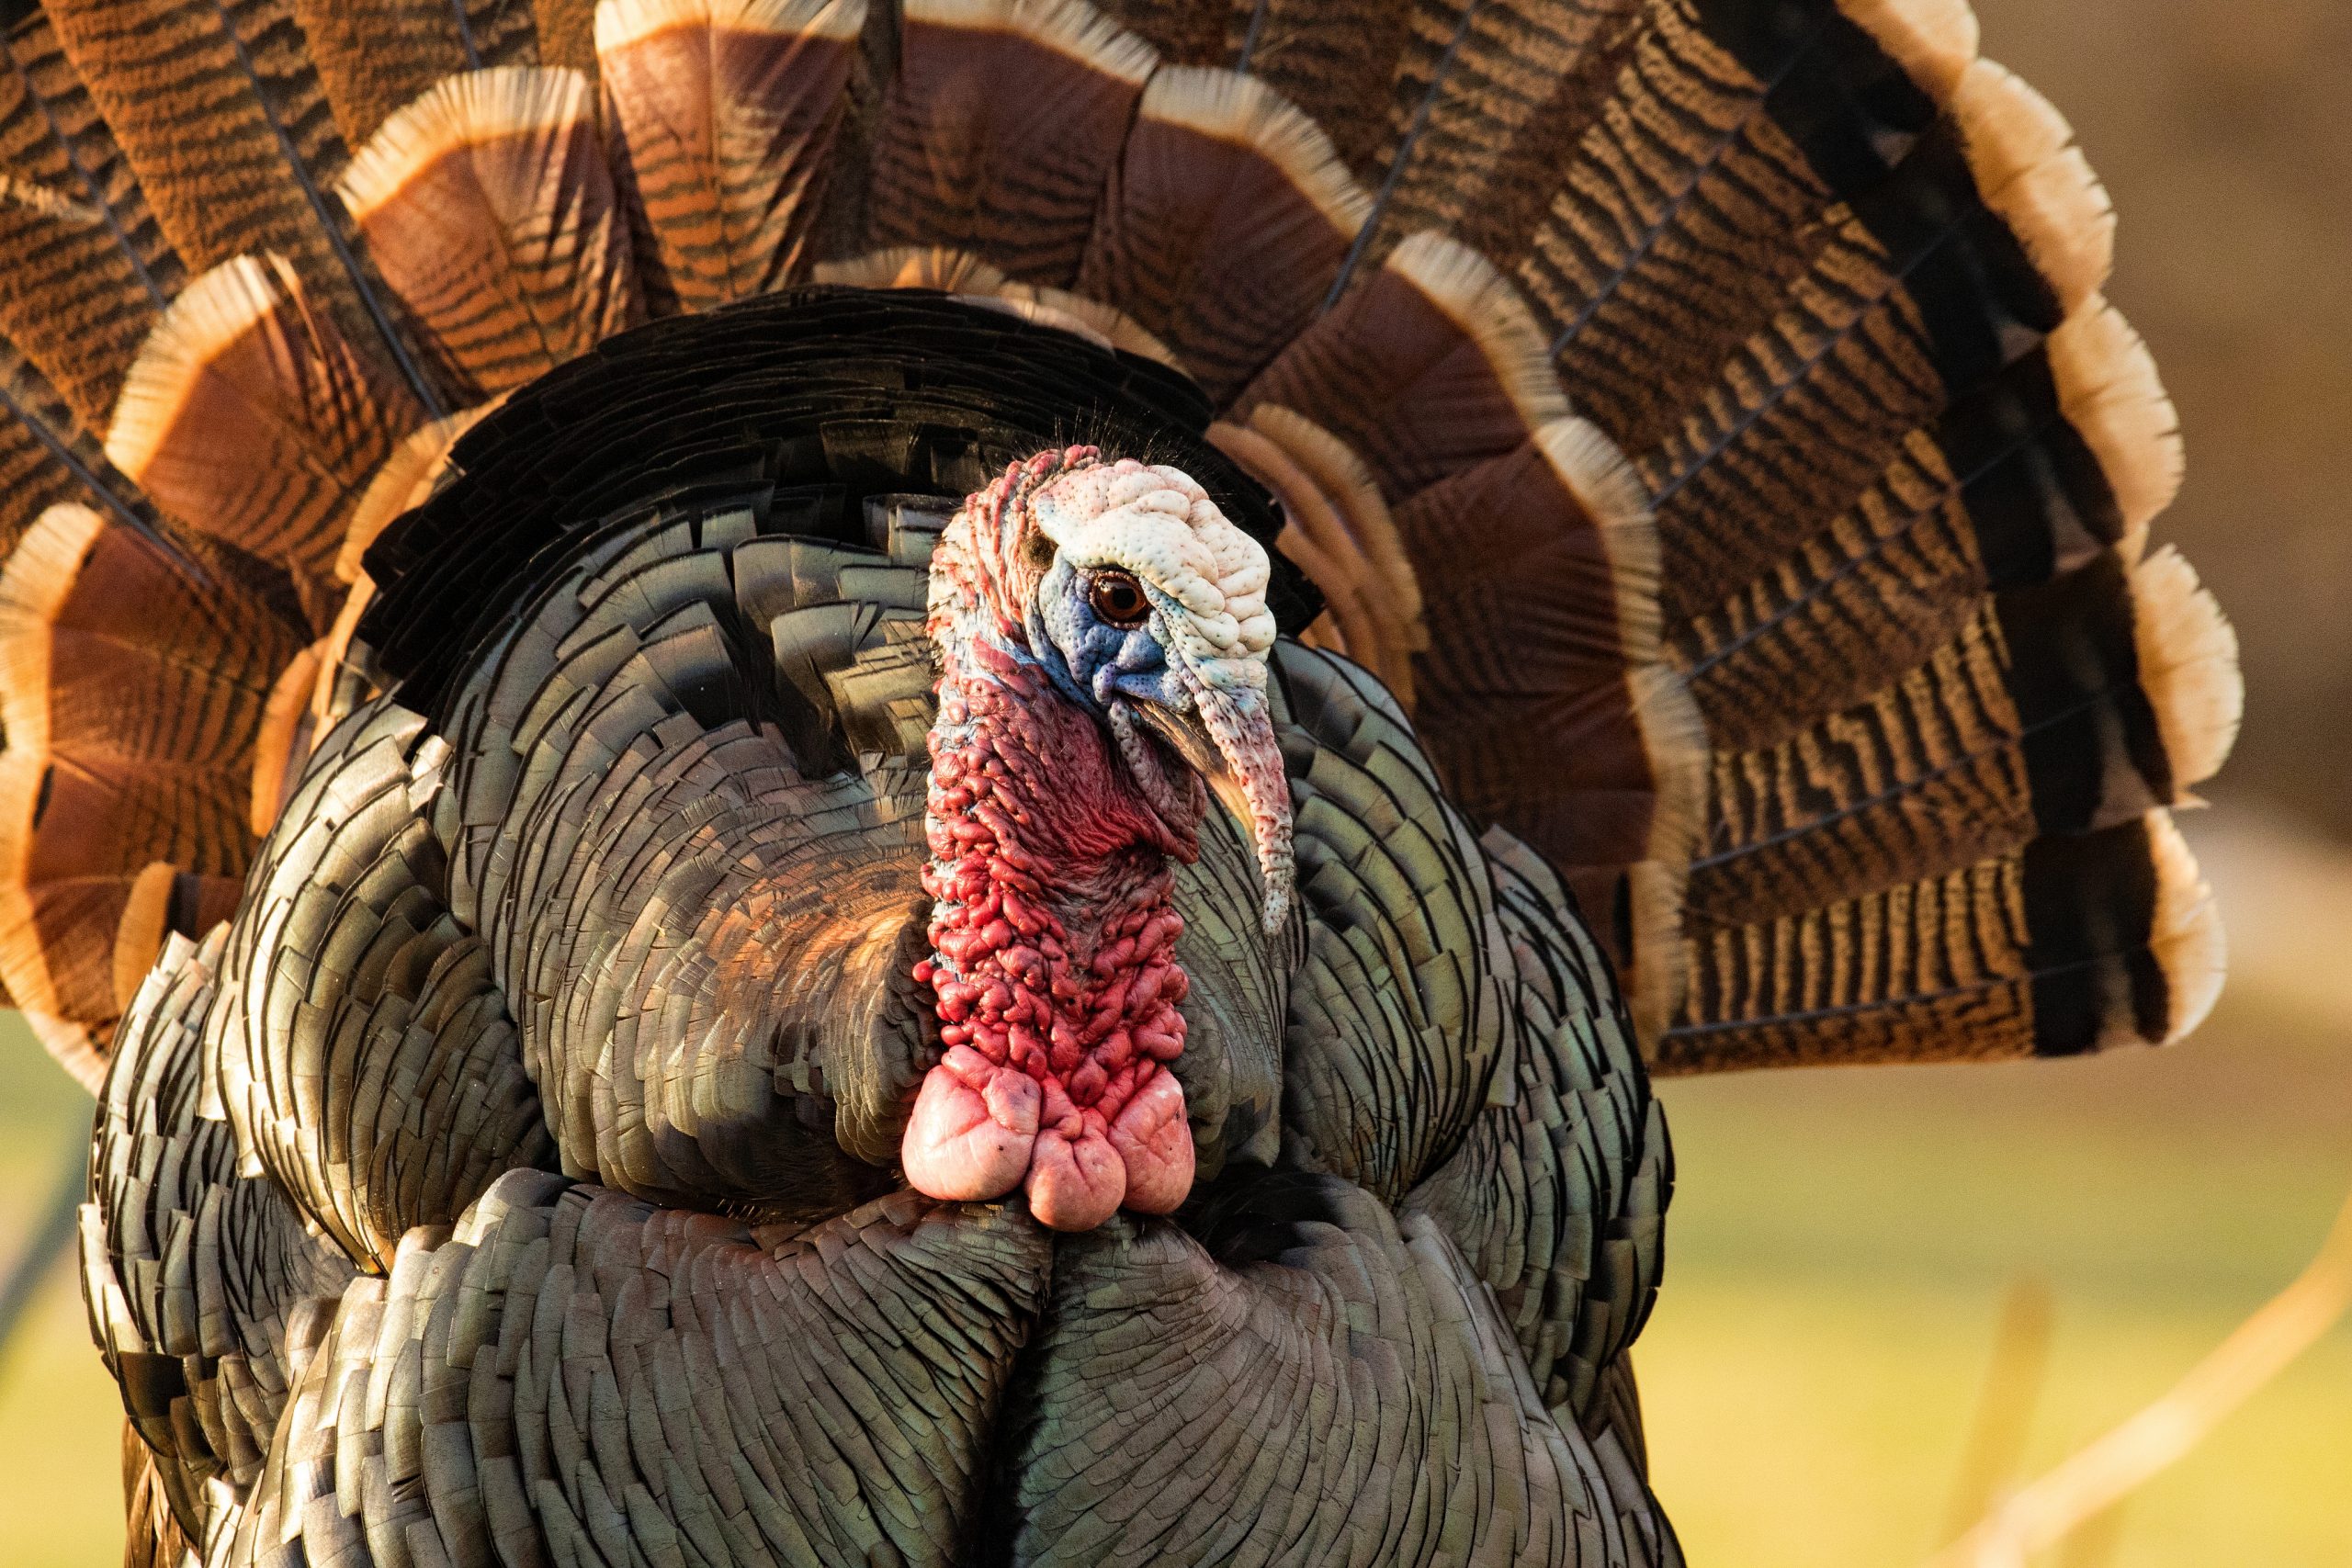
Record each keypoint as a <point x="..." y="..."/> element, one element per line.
<point x="130" y="701"/>
<point x="724" y="118"/>
<point x="249" y="417"/>
<point x="491" y="210"/>
<point x="1013" y="175"/>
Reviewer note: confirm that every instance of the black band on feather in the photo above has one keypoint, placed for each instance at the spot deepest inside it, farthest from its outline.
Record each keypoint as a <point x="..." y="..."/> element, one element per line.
<point x="2093" y="746"/>
<point x="810" y="394"/>
<point x="2090" y="907"/>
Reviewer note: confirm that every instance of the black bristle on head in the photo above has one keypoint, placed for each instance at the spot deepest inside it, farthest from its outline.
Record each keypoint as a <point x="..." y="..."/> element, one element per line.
<point x="870" y="392"/>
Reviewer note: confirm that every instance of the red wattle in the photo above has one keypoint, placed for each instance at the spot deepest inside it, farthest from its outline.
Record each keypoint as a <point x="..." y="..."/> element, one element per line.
<point x="1053" y="966"/>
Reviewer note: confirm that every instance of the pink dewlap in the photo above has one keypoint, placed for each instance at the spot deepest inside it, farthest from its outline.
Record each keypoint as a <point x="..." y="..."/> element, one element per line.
<point x="976" y="1135"/>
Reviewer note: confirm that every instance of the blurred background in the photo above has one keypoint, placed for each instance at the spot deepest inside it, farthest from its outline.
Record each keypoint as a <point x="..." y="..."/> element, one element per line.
<point x="1845" y="1246"/>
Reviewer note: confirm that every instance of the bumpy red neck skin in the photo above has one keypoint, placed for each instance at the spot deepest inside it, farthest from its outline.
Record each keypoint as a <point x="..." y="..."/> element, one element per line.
<point x="1054" y="969"/>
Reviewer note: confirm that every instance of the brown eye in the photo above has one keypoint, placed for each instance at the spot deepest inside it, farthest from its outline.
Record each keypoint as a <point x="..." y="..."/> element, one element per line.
<point x="1118" y="598"/>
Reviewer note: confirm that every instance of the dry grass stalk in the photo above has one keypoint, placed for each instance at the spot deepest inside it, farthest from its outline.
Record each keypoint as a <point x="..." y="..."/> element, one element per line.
<point x="2098" y="1476"/>
<point x="2012" y="1378"/>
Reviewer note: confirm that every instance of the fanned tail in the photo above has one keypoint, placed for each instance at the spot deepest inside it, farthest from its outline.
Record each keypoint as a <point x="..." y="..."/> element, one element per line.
<point x="1703" y="414"/>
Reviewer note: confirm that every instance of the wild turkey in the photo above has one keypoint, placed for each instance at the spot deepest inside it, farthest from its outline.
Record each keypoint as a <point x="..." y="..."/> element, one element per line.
<point x="643" y="603"/>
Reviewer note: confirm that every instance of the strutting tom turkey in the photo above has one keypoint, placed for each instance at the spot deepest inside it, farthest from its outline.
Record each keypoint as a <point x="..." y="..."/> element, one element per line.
<point x="925" y="781"/>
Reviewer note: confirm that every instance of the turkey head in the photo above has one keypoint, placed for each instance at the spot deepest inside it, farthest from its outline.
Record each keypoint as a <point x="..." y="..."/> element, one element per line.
<point x="1103" y="632"/>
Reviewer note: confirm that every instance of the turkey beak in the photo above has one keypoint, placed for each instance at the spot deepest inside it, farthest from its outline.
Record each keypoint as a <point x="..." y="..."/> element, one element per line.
<point x="1228" y="739"/>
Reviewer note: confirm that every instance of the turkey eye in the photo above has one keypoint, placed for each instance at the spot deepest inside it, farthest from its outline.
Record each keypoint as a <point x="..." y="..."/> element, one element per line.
<point x="1118" y="599"/>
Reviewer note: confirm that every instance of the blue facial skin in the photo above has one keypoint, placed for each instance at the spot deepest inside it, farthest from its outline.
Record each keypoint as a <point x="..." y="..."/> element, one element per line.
<point x="1096" y="663"/>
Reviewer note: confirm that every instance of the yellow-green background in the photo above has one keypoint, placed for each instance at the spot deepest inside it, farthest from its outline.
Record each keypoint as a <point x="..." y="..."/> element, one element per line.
<point x="1841" y="1242"/>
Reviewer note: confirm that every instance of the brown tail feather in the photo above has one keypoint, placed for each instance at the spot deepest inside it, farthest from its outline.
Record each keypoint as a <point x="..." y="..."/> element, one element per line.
<point x="1858" y="366"/>
<point x="2070" y="944"/>
<point x="1185" y="32"/>
<point x="107" y="652"/>
<point x="86" y="269"/>
<point x="1687" y="209"/>
<point x="2006" y="489"/>
<point x="252" y="419"/>
<point x="489" y="209"/>
<point x="1432" y="364"/>
<point x="100" y="168"/>
<point x="376" y="56"/>
<point x="1226" y="220"/>
<point x="724" y="117"/>
<point x="503" y="32"/>
<point x="130" y="700"/>
<point x="567" y="33"/>
<point x="1001" y="129"/>
<point x="967" y="276"/>
<point x="1491" y="98"/>
<point x="1336" y="61"/>
<point x="1540" y="568"/>
<point x="2062" y="708"/>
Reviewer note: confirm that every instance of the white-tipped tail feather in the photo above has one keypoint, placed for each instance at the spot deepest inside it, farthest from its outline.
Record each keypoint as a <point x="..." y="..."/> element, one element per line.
<point x="2189" y="665"/>
<point x="2109" y="393"/>
<point x="2027" y="169"/>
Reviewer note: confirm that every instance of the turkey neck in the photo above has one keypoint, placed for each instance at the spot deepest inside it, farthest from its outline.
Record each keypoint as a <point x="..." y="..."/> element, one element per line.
<point x="1053" y="923"/>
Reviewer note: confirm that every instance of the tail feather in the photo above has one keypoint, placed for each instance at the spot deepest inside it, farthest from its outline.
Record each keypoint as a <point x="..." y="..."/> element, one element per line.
<point x="962" y="274"/>
<point x="1001" y="129"/>
<point x="45" y="460"/>
<point x="1933" y="41"/>
<point x="1859" y="365"/>
<point x="1226" y="220"/>
<point x="2061" y="708"/>
<point x="87" y="270"/>
<point x="1184" y="32"/>
<point x="1689" y="204"/>
<point x="2115" y="405"/>
<point x="72" y="848"/>
<point x="1433" y="365"/>
<point x="1540" y="570"/>
<point x="1491" y="99"/>
<point x="498" y="32"/>
<point x="1336" y="61"/>
<point x="567" y="34"/>
<point x="2004" y="492"/>
<point x="490" y="208"/>
<point x="106" y="656"/>
<point x="130" y="705"/>
<point x="252" y="420"/>
<point x="2071" y="943"/>
<point x="101" y="171"/>
<point x="724" y="118"/>
<point x="2022" y="155"/>
<point x="376" y="57"/>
